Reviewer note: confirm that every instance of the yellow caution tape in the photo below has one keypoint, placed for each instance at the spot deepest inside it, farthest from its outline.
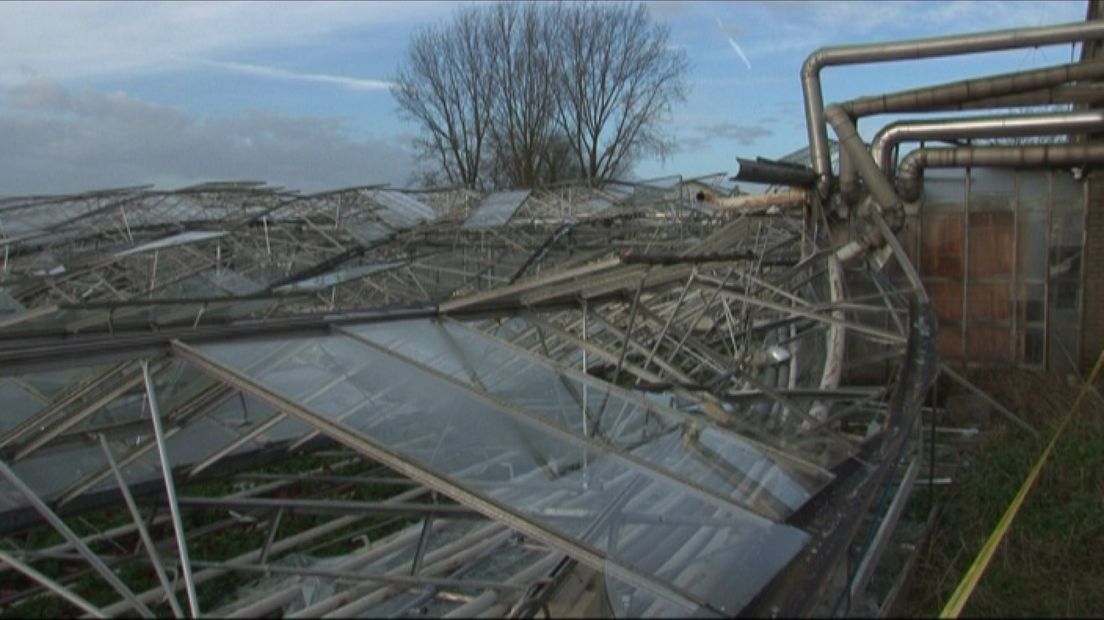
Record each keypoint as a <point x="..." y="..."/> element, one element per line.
<point x="981" y="562"/>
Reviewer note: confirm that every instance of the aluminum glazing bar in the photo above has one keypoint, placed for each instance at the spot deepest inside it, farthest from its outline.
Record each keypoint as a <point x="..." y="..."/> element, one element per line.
<point x="362" y="576"/>
<point x="63" y="529"/>
<point x="170" y="490"/>
<point x="445" y="486"/>
<point x="143" y="533"/>
<point x="52" y="585"/>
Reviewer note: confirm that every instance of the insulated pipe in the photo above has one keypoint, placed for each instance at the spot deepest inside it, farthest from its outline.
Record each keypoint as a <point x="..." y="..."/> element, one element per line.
<point x="1076" y="94"/>
<point x="876" y="182"/>
<point x="978" y="127"/>
<point x="781" y="199"/>
<point x="914" y="49"/>
<point x="910" y="174"/>
<point x="996" y="91"/>
<point x="953" y="95"/>
<point x="848" y="180"/>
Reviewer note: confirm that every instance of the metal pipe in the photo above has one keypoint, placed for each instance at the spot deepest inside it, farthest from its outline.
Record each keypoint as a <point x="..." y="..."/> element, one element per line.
<point x="914" y="49"/>
<point x="978" y="127"/>
<point x="1067" y="94"/>
<point x="956" y="95"/>
<point x="910" y="174"/>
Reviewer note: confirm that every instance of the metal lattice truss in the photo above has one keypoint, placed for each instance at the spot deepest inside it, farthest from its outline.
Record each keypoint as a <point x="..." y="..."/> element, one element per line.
<point x="377" y="402"/>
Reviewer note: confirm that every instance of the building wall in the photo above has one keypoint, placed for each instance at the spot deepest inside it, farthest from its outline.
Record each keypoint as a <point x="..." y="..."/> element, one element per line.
<point x="1000" y="253"/>
<point x="1092" y="332"/>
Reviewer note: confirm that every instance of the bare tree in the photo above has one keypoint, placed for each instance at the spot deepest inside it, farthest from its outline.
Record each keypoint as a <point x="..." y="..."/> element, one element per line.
<point x="617" y="81"/>
<point x="522" y="75"/>
<point x="446" y="91"/>
<point x="523" y="94"/>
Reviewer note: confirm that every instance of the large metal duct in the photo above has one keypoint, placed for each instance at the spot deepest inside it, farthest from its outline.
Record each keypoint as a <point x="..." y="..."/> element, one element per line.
<point x="910" y="174"/>
<point x="978" y="127"/>
<point x="914" y="49"/>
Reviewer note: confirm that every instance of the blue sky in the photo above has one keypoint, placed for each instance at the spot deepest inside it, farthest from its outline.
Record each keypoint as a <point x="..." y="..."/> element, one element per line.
<point x="98" y="95"/>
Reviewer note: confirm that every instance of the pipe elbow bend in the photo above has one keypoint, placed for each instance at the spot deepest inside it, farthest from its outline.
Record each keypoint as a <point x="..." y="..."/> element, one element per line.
<point x="814" y="62"/>
<point x="910" y="176"/>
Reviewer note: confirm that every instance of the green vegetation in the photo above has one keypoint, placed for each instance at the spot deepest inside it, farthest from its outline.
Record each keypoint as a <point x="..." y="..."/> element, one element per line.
<point x="230" y="539"/>
<point x="1051" y="562"/>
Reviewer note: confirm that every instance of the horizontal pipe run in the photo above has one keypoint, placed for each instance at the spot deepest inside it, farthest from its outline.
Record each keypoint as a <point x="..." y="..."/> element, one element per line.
<point x="910" y="174"/>
<point x="954" y="95"/>
<point x="979" y="127"/>
<point x="1066" y="94"/>
<point x="1037" y="87"/>
<point x="915" y="49"/>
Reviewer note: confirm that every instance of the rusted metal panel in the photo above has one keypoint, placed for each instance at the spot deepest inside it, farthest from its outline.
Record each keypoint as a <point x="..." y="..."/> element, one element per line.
<point x="941" y="245"/>
<point x="989" y="301"/>
<point x="991" y="244"/>
<point x="987" y="343"/>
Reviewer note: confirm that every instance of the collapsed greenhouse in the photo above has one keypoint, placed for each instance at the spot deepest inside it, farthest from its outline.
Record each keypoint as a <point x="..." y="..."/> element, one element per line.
<point x="644" y="399"/>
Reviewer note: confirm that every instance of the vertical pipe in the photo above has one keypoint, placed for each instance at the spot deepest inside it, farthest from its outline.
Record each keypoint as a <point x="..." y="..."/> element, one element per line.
<point x="170" y="491"/>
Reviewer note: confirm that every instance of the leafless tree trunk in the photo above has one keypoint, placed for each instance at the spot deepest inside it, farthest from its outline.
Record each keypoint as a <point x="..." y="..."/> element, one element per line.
<point x="522" y="76"/>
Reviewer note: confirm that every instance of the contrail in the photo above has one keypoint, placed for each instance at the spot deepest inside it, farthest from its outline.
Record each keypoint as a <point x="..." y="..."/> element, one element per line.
<point x="732" y="43"/>
<point x="740" y="52"/>
<point x="283" y="74"/>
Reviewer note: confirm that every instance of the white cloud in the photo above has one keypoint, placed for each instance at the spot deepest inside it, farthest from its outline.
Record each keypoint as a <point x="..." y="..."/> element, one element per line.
<point x="56" y="140"/>
<point x="63" y="40"/>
